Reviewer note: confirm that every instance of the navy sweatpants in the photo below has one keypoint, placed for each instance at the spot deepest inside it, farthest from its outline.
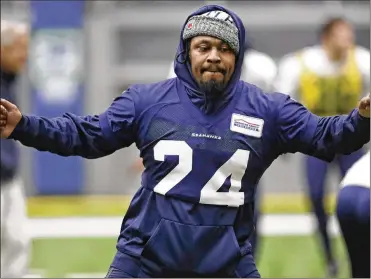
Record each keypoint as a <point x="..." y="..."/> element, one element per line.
<point x="316" y="171"/>
<point x="353" y="213"/>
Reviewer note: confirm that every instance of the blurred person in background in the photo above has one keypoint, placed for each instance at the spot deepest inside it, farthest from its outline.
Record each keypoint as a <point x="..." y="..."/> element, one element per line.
<point x="14" y="239"/>
<point x="258" y="69"/>
<point x="204" y="147"/>
<point x="329" y="79"/>
<point x="353" y="213"/>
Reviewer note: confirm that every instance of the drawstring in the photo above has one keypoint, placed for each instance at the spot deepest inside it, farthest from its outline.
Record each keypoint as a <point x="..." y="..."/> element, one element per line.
<point x="184" y="52"/>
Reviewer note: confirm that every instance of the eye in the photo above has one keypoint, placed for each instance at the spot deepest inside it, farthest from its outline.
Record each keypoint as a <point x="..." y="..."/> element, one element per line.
<point x="225" y="49"/>
<point x="202" y="48"/>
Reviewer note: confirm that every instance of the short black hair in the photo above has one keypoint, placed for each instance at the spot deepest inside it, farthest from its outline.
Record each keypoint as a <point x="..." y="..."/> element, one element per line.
<point x="330" y="24"/>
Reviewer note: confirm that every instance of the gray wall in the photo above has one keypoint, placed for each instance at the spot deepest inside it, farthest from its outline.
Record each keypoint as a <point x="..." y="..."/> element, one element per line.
<point x="130" y="42"/>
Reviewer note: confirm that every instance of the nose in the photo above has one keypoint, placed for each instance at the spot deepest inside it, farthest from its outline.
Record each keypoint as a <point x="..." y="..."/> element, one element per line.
<point x="213" y="56"/>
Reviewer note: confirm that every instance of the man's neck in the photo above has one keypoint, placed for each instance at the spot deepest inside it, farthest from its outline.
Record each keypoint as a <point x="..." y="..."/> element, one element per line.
<point x="335" y="56"/>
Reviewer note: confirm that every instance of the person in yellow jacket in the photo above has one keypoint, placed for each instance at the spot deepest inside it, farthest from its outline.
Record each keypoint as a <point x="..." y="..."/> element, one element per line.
<point x="329" y="79"/>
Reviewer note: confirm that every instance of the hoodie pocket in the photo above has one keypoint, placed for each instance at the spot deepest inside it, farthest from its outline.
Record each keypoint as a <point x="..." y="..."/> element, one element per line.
<point x="190" y="248"/>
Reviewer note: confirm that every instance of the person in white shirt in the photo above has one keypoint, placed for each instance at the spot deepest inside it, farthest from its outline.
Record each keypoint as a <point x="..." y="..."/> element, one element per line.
<point x="328" y="78"/>
<point x="15" y="241"/>
<point x="353" y="213"/>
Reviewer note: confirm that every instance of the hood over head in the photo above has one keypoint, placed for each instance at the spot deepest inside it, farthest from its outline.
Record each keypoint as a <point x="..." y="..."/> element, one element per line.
<point x="182" y="68"/>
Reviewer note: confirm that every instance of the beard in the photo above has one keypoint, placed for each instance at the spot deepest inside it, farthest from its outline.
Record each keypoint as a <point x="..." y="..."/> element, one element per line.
<point x="212" y="88"/>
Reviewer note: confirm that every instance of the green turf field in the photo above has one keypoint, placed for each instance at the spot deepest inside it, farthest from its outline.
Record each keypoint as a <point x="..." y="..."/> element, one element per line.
<point x="280" y="257"/>
<point x="90" y="205"/>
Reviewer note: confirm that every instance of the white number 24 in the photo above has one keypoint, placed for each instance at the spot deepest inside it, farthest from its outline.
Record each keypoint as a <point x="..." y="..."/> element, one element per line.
<point x="234" y="167"/>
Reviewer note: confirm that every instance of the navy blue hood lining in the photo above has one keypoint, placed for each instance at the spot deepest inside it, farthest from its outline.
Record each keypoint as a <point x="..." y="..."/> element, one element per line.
<point x="184" y="73"/>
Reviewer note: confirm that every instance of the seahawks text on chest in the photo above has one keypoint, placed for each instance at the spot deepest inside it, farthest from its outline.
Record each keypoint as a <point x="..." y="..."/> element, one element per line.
<point x="206" y="136"/>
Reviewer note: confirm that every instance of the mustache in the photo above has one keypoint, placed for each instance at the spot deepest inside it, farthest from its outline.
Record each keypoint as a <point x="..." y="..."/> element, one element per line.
<point x="214" y="69"/>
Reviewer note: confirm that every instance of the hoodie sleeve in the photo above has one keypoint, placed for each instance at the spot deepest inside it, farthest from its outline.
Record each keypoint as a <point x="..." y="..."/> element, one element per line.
<point x="323" y="137"/>
<point x="92" y="136"/>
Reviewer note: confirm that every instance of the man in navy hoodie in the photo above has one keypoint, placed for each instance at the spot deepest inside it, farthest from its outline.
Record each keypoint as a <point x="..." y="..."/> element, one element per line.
<point x="206" y="138"/>
<point x="259" y="69"/>
<point x="14" y="239"/>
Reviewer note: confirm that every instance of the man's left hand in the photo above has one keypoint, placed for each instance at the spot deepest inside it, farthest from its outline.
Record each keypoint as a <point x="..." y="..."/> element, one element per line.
<point x="364" y="106"/>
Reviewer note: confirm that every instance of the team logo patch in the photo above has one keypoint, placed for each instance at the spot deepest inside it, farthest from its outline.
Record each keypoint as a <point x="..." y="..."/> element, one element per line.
<point x="247" y="125"/>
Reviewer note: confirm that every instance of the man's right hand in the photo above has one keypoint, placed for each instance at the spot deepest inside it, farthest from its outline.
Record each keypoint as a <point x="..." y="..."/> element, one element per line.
<point x="9" y="118"/>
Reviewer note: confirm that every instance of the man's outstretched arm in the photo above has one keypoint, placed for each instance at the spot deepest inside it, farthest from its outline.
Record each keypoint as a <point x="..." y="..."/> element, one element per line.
<point x="322" y="137"/>
<point x="70" y="135"/>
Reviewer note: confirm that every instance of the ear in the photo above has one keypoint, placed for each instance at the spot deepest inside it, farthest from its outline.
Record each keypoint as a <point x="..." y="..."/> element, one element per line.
<point x="188" y="50"/>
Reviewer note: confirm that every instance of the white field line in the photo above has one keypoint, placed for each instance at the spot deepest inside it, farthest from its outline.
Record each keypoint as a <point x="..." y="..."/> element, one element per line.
<point x="85" y="275"/>
<point x="269" y="225"/>
<point x="41" y="274"/>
